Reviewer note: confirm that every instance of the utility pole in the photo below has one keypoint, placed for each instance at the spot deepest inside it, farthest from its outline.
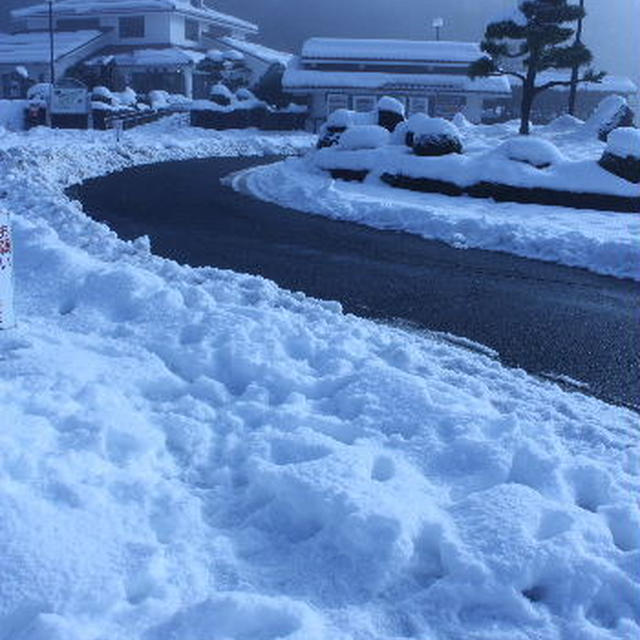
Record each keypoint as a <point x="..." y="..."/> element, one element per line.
<point x="52" y="63"/>
<point x="573" y="89"/>
<point x="437" y="24"/>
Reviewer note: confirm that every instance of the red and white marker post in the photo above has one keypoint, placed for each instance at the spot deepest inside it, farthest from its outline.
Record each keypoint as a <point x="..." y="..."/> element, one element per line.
<point x="7" y="315"/>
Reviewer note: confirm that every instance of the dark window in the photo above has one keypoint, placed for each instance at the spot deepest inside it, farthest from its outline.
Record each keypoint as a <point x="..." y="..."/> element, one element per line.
<point x="191" y="30"/>
<point x="78" y="24"/>
<point x="131" y="27"/>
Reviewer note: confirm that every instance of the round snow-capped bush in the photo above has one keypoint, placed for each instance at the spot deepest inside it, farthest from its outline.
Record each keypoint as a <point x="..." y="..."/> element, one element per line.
<point x="361" y="137"/>
<point x="536" y="152"/>
<point x="220" y="94"/>
<point x="340" y="118"/>
<point x="390" y="113"/>
<point x="613" y="112"/>
<point x="622" y="155"/>
<point x="387" y="103"/>
<point x="245" y="94"/>
<point x="417" y="124"/>
<point x="437" y="137"/>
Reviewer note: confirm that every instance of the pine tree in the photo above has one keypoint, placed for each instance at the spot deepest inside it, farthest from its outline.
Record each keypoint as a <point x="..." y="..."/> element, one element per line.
<point x="537" y="36"/>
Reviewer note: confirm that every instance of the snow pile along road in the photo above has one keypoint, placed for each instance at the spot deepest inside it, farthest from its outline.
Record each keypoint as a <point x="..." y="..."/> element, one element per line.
<point x="190" y="453"/>
<point x="601" y="241"/>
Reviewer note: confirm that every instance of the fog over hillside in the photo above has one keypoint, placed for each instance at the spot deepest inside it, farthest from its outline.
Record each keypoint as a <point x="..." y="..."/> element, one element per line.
<point x="612" y="29"/>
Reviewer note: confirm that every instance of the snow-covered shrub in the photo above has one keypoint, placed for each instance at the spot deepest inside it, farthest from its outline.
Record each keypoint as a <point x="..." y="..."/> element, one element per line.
<point x="536" y="152"/>
<point x="390" y="113"/>
<point x="159" y="99"/>
<point x="245" y="94"/>
<point x="613" y="112"/>
<point x="220" y="94"/>
<point x="437" y="137"/>
<point x="104" y="95"/>
<point x="399" y="134"/>
<point x="128" y="97"/>
<point x="335" y="126"/>
<point x="364" y="137"/>
<point x="417" y="124"/>
<point x="622" y="155"/>
<point x="39" y="92"/>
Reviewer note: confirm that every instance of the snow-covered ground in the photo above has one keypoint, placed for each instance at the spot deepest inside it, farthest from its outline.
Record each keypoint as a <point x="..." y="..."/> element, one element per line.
<point x="604" y="242"/>
<point x="193" y="453"/>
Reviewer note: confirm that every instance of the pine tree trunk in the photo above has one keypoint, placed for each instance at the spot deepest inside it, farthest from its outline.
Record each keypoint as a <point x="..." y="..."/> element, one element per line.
<point x="573" y="90"/>
<point x="528" y="94"/>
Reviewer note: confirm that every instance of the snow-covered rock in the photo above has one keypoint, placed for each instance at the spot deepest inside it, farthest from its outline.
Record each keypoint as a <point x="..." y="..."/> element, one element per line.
<point x="611" y="113"/>
<point x="622" y="155"/>
<point x="364" y="137"/>
<point x="531" y="150"/>
<point x="221" y="94"/>
<point x="624" y="143"/>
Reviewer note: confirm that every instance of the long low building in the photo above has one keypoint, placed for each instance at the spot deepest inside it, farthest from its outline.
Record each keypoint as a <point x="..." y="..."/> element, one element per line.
<point x="553" y="102"/>
<point x="428" y="77"/>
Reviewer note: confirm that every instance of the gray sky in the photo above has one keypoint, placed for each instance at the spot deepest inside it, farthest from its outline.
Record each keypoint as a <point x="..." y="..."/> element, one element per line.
<point x="612" y="29"/>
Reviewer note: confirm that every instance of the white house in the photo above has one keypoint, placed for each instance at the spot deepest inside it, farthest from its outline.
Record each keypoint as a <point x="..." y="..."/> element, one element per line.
<point x="426" y="76"/>
<point x="150" y="41"/>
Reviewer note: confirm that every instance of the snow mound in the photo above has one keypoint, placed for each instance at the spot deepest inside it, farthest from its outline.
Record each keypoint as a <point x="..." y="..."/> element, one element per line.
<point x="537" y="152"/>
<point x="432" y="127"/>
<point x="565" y="122"/>
<point x="193" y="453"/>
<point x="624" y="142"/>
<point x="364" y="137"/>
<point x="460" y="121"/>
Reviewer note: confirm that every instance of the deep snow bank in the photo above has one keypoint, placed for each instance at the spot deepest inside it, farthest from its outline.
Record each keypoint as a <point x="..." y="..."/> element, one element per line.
<point x="601" y="241"/>
<point x="190" y="453"/>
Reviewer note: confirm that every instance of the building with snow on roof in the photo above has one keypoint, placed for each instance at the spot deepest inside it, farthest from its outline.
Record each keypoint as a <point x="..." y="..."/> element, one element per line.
<point x="146" y="44"/>
<point x="553" y="102"/>
<point x="427" y="77"/>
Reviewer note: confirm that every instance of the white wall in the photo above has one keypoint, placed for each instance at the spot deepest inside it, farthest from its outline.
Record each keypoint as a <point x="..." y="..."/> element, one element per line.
<point x="12" y="114"/>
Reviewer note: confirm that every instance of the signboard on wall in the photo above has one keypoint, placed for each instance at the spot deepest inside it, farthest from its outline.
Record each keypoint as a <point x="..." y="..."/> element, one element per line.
<point x="7" y="317"/>
<point x="71" y="97"/>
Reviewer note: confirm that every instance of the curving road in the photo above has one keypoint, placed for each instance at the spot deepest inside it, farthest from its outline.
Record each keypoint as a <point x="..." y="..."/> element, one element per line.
<point x="545" y="318"/>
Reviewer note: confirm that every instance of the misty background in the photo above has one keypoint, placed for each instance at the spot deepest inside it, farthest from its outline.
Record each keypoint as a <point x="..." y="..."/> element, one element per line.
<point x="612" y="29"/>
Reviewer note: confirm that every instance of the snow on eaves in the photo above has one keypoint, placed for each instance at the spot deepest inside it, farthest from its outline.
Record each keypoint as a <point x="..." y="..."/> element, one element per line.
<point x="150" y="57"/>
<point x="296" y="77"/>
<point x="259" y="51"/>
<point x="405" y="50"/>
<point x="92" y="7"/>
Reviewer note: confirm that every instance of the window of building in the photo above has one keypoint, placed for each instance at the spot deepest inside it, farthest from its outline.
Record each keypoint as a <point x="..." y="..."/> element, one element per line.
<point x="197" y="4"/>
<point x="191" y="30"/>
<point x="78" y="24"/>
<point x="418" y="104"/>
<point x="364" y="103"/>
<point x="131" y="27"/>
<point x="337" y="101"/>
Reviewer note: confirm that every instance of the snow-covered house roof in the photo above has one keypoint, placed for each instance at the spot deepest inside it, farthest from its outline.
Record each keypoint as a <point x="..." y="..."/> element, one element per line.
<point x="265" y="54"/>
<point x="609" y="84"/>
<point x="296" y="77"/>
<point x="393" y="50"/>
<point x="33" y="47"/>
<point x="77" y="8"/>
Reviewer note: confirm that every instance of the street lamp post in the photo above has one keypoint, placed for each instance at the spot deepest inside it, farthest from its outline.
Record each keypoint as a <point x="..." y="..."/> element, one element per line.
<point x="437" y="24"/>
<point x="52" y="68"/>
